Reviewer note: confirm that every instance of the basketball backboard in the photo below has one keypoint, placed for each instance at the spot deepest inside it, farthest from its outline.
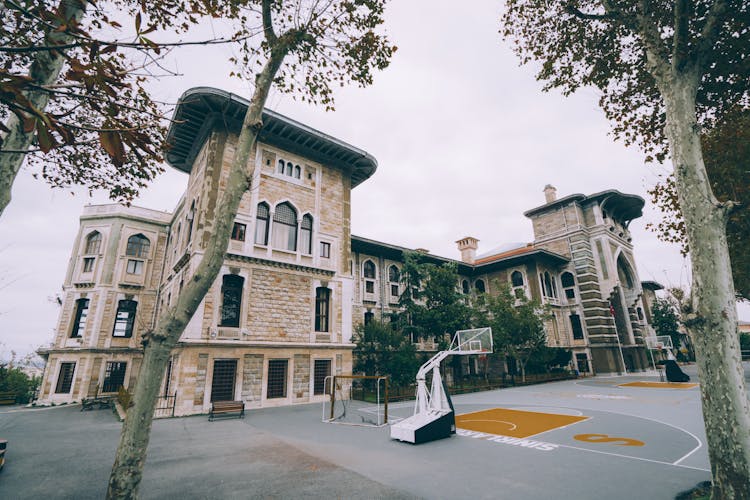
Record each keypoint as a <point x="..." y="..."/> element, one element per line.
<point x="474" y="341"/>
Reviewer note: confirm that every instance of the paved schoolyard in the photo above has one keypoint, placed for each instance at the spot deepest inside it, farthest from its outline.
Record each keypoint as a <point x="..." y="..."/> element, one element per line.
<point x="614" y="441"/>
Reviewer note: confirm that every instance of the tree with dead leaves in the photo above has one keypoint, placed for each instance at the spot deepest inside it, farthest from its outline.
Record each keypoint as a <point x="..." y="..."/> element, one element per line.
<point x="74" y="103"/>
<point x="303" y="47"/>
<point x="665" y="69"/>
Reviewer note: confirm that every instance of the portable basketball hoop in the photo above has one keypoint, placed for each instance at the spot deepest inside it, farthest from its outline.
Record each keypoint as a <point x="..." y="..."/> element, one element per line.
<point x="434" y="417"/>
<point x="659" y="343"/>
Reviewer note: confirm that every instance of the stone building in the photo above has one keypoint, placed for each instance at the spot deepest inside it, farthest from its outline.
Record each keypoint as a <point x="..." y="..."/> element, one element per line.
<point x="295" y="282"/>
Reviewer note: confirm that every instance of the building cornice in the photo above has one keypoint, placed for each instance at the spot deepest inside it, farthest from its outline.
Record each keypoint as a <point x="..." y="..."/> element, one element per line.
<point x="202" y="110"/>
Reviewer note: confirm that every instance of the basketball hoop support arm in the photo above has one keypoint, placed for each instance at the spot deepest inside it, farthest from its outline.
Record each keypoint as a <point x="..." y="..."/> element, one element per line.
<point x="423" y="397"/>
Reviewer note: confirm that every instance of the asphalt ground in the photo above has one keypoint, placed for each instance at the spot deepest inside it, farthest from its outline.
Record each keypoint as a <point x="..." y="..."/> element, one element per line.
<point x="625" y="442"/>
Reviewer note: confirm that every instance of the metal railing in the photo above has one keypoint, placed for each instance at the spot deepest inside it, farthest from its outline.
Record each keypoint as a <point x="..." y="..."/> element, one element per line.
<point x="165" y="406"/>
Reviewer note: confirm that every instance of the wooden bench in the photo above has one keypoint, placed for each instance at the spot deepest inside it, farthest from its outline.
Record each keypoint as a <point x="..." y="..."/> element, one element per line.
<point x="226" y="409"/>
<point x="7" y="398"/>
<point x="101" y="402"/>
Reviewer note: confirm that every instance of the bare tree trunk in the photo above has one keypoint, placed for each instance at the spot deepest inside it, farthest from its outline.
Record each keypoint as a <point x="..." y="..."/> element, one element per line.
<point x="43" y="71"/>
<point x="712" y="315"/>
<point x="127" y="470"/>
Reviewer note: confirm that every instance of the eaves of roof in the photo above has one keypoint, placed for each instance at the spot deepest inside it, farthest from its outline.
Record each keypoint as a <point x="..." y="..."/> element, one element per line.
<point x="201" y="110"/>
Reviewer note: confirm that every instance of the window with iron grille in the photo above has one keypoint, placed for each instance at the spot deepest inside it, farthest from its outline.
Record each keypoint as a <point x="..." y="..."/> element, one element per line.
<point x="125" y="318"/>
<point x="322" y="308"/>
<point x="222" y="385"/>
<point x="114" y="376"/>
<point x="93" y="242"/>
<point x="575" y="324"/>
<point x="321" y="370"/>
<point x="285" y="227"/>
<point x="238" y="231"/>
<point x="138" y="246"/>
<point x="65" y="378"/>
<point x="276" y="378"/>
<point x="231" y="293"/>
<point x="305" y="234"/>
<point x="261" y="224"/>
<point x="82" y="313"/>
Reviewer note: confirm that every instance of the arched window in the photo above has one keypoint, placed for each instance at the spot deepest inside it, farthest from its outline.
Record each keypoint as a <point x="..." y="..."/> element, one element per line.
<point x="465" y="287"/>
<point x="138" y="246"/>
<point x="322" y="308"/>
<point x="231" y="300"/>
<point x="369" y="269"/>
<point x="479" y="286"/>
<point x="280" y="168"/>
<point x="285" y="227"/>
<point x="261" y="224"/>
<point x="125" y="318"/>
<point x="93" y="242"/>
<point x="394" y="274"/>
<point x="516" y="279"/>
<point x="288" y="169"/>
<point x="297" y="172"/>
<point x="547" y="283"/>
<point x="569" y="285"/>
<point x="305" y="234"/>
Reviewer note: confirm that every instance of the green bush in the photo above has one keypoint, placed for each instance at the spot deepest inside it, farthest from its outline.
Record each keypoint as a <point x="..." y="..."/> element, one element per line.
<point x="16" y="381"/>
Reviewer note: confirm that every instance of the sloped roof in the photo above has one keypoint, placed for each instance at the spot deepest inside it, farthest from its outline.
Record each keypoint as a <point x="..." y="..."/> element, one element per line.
<point x="203" y="109"/>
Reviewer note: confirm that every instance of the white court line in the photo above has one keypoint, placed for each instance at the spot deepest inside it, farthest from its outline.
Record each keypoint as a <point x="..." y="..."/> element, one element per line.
<point x="674" y="464"/>
<point x="39" y="408"/>
<point x="677" y="462"/>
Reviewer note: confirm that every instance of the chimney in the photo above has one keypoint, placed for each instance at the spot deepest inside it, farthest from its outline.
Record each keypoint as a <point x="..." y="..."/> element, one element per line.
<point x="550" y="193"/>
<point x="468" y="248"/>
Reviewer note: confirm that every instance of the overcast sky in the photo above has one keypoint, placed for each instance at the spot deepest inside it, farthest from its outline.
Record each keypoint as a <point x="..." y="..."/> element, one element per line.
<point x="465" y="142"/>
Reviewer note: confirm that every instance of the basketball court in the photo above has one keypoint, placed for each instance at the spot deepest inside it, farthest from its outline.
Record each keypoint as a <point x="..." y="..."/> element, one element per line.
<point x="620" y="437"/>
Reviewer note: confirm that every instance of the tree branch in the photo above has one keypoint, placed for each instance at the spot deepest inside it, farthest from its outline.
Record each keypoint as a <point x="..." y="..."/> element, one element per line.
<point x="710" y="33"/>
<point x="573" y="10"/>
<point x="268" y="23"/>
<point x="681" y="34"/>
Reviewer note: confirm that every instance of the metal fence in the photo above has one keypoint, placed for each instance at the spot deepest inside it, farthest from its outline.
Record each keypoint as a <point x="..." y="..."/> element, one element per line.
<point x="165" y="406"/>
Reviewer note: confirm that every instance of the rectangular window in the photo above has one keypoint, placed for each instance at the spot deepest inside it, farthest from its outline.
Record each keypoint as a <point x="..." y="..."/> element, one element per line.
<point x="369" y="286"/>
<point x="575" y="324"/>
<point x="325" y="249"/>
<point x="65" y="379"/>
<point x="222" y="385"/>
<point x="114" y="376"/>
<point x="583" y="362"/>
<point x="125" y="318"/>
<point x="369" y="317"/>
<point x="134" y="267"/>
<point x="238" y="231"/>
<point x="88" y="264"/>
<point x="276" y="378"/>
<point x="394" y="290"/>
<point x="321" y="371"/>
<point x="79" y="323"/>
<point x="322" y="308"/>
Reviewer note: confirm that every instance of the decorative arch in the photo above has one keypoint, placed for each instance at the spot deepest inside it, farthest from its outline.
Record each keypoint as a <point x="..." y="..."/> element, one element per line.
<point x="93" y="243"/>
<point x="138" y="246"/>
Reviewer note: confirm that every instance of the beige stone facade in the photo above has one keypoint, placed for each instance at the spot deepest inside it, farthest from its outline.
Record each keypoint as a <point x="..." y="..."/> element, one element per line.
<point x="295" y="283"/>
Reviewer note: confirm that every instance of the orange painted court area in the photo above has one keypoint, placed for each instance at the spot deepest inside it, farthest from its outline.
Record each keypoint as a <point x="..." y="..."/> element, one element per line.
<point x="660" y="385"/>
<point x="514" y="423"/>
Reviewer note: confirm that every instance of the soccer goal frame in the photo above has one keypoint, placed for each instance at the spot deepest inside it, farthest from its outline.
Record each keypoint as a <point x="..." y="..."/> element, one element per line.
<point x="340" y="407"/>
